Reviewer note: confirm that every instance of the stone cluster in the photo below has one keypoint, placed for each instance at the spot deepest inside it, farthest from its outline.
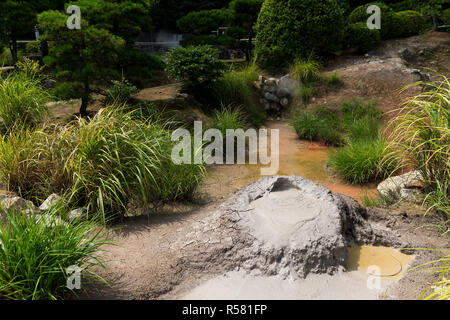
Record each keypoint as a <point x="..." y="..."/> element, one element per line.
<point x="276" y="94"/>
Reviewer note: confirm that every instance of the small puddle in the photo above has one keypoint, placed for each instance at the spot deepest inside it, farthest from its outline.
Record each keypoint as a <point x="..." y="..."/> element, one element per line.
<point x="391" y="263"/>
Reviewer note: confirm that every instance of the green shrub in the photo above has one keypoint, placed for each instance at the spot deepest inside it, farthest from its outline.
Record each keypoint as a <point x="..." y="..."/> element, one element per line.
<point x="411" y="22"/>
<point x="22" y="101"/>
<point x="355" y="109"/>
<point x="320" y="125"/>
<point x="33" y="47"/>
<point x="305" y="93"/>
<point x="229" y="118"/>
<point x="34" y="255"/>
<point x="445" y="17"/>
<point x="31" y="68"/>
<point x="334" y="80"/>
<point x="194" y="65"/>
<point x="120" y="92"/>
<point x="289" y="29"/>
<point x="365" y="129"/>
<point x="361" y="37"/>
<point x="204" y="21"/>
<point x="389" y="22"/>
<point x="421" y="139"/>
<point x="362" y="161"/>
<point x="305" y="70"/>
<point x="101" y="163"/>
<point x="67" y="90"/>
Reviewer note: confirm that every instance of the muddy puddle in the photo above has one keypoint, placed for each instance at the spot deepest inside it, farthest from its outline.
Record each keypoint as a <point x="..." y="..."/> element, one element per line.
<point x="356" y="283"/>
<point x="296" y="157"/>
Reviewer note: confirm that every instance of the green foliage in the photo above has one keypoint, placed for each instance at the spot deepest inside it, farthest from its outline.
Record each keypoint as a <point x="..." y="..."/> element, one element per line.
<point x="334" y="79"/>
<point x="204" y="21"/>
<point x="67" y="90"/>
<point x="289" y="29"/>
<point x="320" y="125"/>
<point x="194" y="65"/>
<point x="35" y="254"/>
<point x="82" y="56"/>
<point x="306" y="70"/>
<point x="411" y="22"/>
<point x="101" y="163"/>
<point x="32" y="69"/>
<point x="362" y="161"/>
<point x="389" y="22"/>
<point x="236" y="88"/>
<point x="421" y="139"/>
<point x="362" y="38"/>
<point x="229" y="118"/>
<point x="445" y="17"/>
<point x="22" y="101"/>
<point x="120" y="92"/>
<point x="305" y="93"/>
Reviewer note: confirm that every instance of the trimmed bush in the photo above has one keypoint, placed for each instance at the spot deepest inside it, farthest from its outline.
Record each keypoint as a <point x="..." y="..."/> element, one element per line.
<point x="290" y="29"/>
<point x="194" y="65"/>
<point x="361" y="37"/>
<point x="389" y="21"/>
<point x="204" y="21"/>
<point x="411" y="22"/>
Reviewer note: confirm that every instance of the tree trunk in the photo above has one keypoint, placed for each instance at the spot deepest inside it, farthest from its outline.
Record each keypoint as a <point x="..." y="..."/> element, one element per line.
<point x="13" y="48"/>
<point x="434" y="17"/>
<point x="85" y="98"/>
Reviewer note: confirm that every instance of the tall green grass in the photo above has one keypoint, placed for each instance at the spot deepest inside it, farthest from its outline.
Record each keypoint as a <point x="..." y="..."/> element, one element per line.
<point x="102" y="163"/>
<point x="22" y="101"/>
<point x="229" y="118"/>
<point x="306" y="70"/>
<point x="421" y="139"/>
<point x="361" y="162"/>
<point x="235" y="87"/>
<point x="34" y="255"/>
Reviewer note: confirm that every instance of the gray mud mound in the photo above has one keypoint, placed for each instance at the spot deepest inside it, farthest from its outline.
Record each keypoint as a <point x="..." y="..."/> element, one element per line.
<point x="286" y="226"/>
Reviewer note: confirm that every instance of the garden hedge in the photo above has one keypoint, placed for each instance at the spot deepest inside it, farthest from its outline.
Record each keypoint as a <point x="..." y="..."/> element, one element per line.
<point x="289" y="29"/>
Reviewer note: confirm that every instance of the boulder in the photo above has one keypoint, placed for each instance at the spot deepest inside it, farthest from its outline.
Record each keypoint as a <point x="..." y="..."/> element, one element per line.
<point x="406" y="186"/>
<point x="11" y="203"/>
<point x="77" y="214"/>
<point x="51" y="201"/>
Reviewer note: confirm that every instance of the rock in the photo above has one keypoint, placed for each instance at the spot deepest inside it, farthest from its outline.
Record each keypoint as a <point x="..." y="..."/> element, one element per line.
<point x="51" y="221"/>
<point x="77" y="214"/>
<point x="52" y="200"/>
<point x="406" y="186"/>
<point x="49" y="84"/>
<point x="271" y="97"/>
<point x="11" y="202"/>
<point x="419" y="75"/>
<point x="281" y="225"/>
<point x="406" y="54"/>
<point x="269" y="88"/>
